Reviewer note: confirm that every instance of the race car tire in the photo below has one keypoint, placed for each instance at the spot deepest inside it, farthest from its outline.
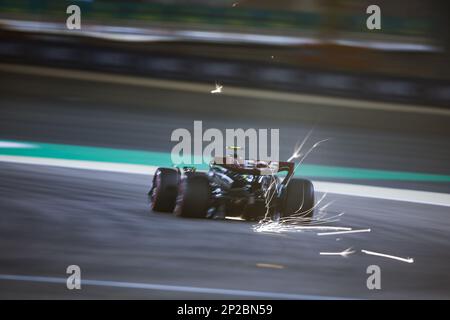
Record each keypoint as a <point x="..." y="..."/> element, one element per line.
<point x="163" y="194"/>
<point x="194" y="197"/>
<point x="298" y="200"/>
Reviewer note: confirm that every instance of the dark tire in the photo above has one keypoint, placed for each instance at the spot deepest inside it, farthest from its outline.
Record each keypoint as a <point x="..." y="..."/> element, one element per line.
<point x="163" y="194"/>
<point x="298" y="199"/>
<point x="194" y="198"/>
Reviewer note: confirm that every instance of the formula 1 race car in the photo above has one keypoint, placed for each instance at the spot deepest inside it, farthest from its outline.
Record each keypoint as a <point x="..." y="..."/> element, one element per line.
<point x="250" y="189"/>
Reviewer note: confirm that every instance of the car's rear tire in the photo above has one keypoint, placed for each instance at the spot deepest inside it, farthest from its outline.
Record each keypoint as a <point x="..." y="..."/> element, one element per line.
<point x="298" y="200"/>
<point x="194" y="197"/>
<point x="163" y="194"/>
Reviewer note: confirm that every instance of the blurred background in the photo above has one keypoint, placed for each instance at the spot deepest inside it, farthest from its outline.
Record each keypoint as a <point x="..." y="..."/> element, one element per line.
<point x="314" y="46"/>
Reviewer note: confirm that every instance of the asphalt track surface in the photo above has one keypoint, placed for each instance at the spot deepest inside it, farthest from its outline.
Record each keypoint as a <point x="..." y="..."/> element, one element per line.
<point x="54" y="217"/>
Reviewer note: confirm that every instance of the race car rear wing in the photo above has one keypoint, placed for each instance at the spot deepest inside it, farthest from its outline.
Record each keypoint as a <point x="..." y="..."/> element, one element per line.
<point x="253" y="167"/>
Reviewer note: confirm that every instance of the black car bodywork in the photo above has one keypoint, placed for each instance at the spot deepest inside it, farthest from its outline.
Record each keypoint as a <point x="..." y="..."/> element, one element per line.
<point x="250" y="189"/>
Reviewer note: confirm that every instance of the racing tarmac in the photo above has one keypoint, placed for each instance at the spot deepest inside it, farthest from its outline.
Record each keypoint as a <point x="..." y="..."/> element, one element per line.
<point x="55" y="217"/>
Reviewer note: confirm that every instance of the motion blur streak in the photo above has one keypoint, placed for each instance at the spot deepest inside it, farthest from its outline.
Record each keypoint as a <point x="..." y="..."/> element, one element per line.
<point x="342" y="232"/>
<point x="278" y="227"/>
<point x="344" y="253"/>
<point x="231" y="91"/>
<point x="82" y="164"/>
<point x="407" y="260"/>
<point x="146" y="35"/>
<point x="161" y="287"/>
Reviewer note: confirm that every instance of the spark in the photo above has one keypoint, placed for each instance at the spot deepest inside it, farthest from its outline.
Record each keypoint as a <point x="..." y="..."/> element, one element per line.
<point x="218" y="89"/>
<point x="311" y="149"/>
<point x="271" y="190"/>
<point x="234" y="218"/>
<point x="296" y="222"/>
<point x="344" y="253"/>
<point x="299" y="217"/>
<point x="298" y="148"/>
<point x="326" y="206"/>
<point x="342" y="232"/>
<point x="320" y="219"/>
<point x="321" y="212"/>
<point x="408" y="260"/>
<point x="308" y="211"/>
<point x="297" y="153"/>
<point x="279" y="227"/>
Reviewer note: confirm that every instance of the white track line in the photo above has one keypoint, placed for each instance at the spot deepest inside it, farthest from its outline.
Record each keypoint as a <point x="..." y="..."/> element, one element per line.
<point x="342" y="232"/>
<point x="231" y="91"/>
<point x="16" y="145"/>
<point x="162" y="287"/>
<point x="82" y="164"/>
<point x="356" y="190"/>
<point x="408" y="260"/>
